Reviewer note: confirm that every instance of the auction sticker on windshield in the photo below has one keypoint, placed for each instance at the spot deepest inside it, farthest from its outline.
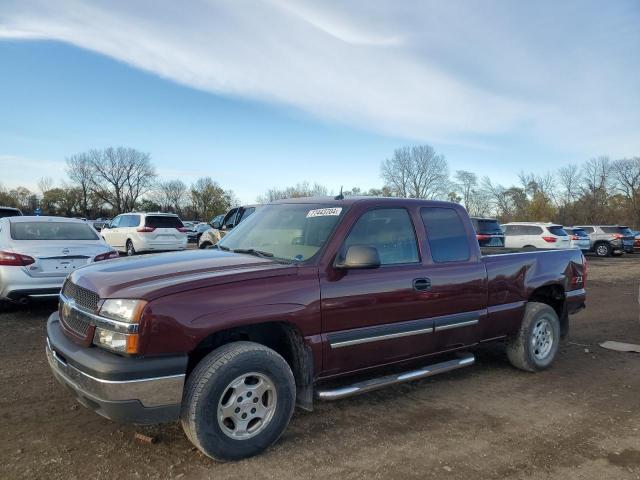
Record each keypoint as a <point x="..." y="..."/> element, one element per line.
<point x="324" y="212"/>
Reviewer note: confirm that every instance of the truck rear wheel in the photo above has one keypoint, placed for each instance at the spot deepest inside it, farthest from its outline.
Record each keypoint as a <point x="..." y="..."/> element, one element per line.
<point x="238" y="401"/>
<point x="535" y="346"/>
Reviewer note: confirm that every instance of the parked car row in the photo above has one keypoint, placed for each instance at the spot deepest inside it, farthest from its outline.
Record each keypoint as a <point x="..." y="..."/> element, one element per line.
<point x="603" y="240"/>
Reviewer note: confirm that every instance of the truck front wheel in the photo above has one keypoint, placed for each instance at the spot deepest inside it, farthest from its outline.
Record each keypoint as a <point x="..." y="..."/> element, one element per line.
<point x="238" y="401"/>
<point x="535" y="346"/>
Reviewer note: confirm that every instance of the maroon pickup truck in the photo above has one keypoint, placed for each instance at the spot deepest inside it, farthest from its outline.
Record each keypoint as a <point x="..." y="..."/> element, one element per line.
<point x="307" y="299"/>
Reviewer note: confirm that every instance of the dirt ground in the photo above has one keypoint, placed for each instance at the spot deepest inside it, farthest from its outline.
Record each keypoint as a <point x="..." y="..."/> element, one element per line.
<point x="578" y="420"/>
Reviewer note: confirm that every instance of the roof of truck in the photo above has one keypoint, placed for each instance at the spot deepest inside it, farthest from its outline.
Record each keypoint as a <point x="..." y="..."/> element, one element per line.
<point x="350" y="200"/>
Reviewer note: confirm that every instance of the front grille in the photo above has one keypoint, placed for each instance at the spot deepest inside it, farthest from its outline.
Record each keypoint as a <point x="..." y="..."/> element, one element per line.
<point x="84" y="298"/>
<point x="75" y="321"/>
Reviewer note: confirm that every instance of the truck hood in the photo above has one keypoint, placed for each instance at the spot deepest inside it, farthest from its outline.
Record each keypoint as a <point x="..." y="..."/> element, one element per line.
<point x="152" y="276"/>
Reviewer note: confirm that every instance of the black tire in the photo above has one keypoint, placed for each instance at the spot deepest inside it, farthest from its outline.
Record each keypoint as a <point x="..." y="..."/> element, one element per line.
<point x="602" y="249"/>
<point x="522" y="351"/>
<point x="529" y="248"/>
<point x="129" y="249"/>
<point x="209" y="383"/>
<point x="205" y="245"/>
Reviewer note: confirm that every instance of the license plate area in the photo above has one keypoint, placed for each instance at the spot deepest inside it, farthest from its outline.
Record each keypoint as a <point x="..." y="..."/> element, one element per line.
<point x="62" y="265"/>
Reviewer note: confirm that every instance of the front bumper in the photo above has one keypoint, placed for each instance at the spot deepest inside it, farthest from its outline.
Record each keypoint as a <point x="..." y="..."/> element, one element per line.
<point x="124" y="389"/>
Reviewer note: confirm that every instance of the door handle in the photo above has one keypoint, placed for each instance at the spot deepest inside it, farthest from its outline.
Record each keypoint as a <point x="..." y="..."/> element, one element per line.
<point x="422" y="284"/>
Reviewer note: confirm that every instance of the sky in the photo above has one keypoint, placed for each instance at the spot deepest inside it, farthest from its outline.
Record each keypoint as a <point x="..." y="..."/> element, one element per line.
<point x="261" y="94"/>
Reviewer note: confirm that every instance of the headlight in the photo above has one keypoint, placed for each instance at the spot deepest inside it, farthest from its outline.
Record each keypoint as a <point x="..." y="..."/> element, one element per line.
<point x="124" y="310"/>
<point x="120" y="310"/>
<point x="115" y="341"/>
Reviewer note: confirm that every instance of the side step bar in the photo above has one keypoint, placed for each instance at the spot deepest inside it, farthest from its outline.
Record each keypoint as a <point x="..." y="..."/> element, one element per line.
<point x="464" y="360"/>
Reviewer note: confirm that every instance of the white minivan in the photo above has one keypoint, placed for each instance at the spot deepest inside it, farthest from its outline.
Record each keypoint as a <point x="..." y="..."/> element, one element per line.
<point x="145" y="232"/>
<point x="535" y="235"/>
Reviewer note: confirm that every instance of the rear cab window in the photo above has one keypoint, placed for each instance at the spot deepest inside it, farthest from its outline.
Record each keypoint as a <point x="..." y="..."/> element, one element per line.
<point x="162" y="221"/>
<point x="446" y="234"/>
<point x="52" y="231"/>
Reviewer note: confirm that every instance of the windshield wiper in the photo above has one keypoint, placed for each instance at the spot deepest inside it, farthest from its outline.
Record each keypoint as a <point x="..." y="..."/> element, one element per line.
<point x="253" y="251"/>
<point x="221" y="247"/>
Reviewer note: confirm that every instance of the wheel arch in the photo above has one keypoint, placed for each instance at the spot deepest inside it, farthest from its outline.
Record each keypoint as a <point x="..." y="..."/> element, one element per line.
<point x="282" y="337"/>
<point x="554" y="296"/>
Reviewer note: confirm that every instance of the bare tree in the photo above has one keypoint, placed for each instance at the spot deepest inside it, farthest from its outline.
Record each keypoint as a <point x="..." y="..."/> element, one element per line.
<point x="596" y="188"/>
<point x="417" y="172"/>
<point x="45" y="184"/>
<point x="300" y="190"/>
<point x="121" y="176"/>
<point x="170" y="195"/>
<point x="80" y="172"/>
<point x="569" y="178"/>
<point x="627" y="173"/>
<point x="467" y="183"/>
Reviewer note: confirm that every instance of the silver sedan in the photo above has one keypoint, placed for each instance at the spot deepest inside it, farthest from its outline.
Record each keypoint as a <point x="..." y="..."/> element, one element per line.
<point x="37" y="254"/>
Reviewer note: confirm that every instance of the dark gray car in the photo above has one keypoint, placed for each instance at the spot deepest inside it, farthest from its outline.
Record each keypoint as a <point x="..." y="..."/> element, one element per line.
<point x="609" y="240"/>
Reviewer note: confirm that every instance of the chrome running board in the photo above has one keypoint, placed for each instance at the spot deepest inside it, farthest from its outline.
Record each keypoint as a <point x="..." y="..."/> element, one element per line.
<point x="465" y="360"/>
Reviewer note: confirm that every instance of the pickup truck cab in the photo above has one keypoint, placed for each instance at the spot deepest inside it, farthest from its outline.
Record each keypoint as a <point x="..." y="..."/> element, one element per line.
<point x="314" y="298"/>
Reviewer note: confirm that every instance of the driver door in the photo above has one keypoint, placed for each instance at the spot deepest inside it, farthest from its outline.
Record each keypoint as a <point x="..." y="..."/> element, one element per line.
<point x="377" y="316"/>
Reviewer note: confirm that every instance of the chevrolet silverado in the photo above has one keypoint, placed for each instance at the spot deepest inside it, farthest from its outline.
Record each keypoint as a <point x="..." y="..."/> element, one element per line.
<point x="307" y="300"/>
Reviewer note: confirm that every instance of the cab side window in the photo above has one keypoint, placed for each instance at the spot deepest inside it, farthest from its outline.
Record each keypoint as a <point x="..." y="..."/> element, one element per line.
<point x="390" y="231"/>
<point x="115" y="223"/>
<point x="446" y="234"/>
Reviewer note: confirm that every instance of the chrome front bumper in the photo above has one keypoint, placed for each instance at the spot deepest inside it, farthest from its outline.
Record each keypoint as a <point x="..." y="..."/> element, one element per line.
<point x="150" y="392"/>
<point x="123" y="389"/>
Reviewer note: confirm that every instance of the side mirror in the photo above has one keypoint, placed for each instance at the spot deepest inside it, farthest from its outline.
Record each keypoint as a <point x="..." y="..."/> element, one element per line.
<point x="216" y="224"/>
<point x="106" y="226"/>
<point x="360" y="256"/>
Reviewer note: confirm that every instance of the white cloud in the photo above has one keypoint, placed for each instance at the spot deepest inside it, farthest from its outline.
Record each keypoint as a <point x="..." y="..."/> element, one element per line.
<point x="439" y="71"/>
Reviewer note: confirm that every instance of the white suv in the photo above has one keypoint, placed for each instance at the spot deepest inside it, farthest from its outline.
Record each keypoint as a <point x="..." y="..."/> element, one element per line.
<point x="535" y="235"/>
<point x="145" y="232"/>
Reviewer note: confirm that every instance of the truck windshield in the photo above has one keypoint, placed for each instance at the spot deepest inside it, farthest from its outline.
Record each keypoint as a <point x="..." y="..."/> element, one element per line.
<point x="288" y="231"/>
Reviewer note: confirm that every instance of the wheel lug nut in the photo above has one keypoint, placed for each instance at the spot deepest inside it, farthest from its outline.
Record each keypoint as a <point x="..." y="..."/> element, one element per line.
<point x="239" y="399"/>
<point x="237" y="410"/>
<point x="255" y="399"/>
<point x="253" y="410"/>
<point x="244" y="415"/>
<point x="248" y="394"/>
